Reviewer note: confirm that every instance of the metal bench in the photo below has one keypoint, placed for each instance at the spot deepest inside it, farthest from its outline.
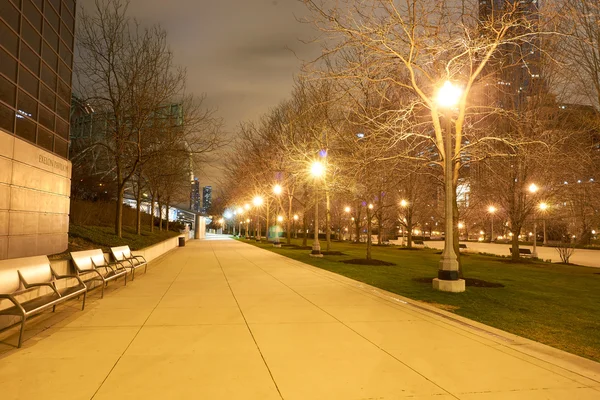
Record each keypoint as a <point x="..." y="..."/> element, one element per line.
<point x="93" y="262"/>
<point x="21" y="277"/>
<point x="418" y="242"/>
<point x="123" y="255"/>
<point x="522" y="252"/>
<point x="462" y="246"/>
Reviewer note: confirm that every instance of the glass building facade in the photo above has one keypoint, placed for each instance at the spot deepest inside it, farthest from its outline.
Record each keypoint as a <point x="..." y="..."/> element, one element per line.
<point x="36" y="61"/>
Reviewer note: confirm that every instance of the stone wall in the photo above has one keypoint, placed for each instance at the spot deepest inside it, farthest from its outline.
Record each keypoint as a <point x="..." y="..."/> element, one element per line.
<point x="34" y="199"/>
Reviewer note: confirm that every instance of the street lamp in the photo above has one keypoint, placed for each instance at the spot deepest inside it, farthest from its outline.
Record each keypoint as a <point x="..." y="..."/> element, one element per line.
<point x="239" y="213"/>
<point x="279" y="220"/>
<point x="257" y="201"/>
<point x="247" y="227"/>
<point x="492" y="210"/>
<point x="347" y="211"/>
<point x="543" y="207"/>
<point x="317" y="170"/>
<point x="448" y="280"/>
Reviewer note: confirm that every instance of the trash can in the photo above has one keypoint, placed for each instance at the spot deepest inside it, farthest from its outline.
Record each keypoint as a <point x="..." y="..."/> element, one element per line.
<point x="181" y="241"/>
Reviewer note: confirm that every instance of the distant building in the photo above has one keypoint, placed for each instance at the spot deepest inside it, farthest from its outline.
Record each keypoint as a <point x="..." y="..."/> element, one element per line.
<point x="195" y="197"/>
<point x="36" y="60"/>
<point x="206" y="199"/>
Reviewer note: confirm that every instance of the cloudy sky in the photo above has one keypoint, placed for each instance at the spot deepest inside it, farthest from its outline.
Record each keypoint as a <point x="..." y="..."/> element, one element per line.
<point x="242" y="54"/>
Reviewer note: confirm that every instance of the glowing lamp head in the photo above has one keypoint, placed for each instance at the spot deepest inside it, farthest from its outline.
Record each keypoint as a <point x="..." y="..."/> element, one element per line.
<point x="279" y="218"/>
<point x="448" y="95"/>
<point x="247" y="206"/>
<point x="295" y="217"/>
<point x="370" y="206"/>
<point x="277" y="189"/>
<point x="461" y="225"/>
<point x="248" y="221"/>
<point x="543" y="206"/>
<point x="240" y="211"/>
<point x="227" y="214"/>
<point x="533" y="188"/>
<point x="492" y="209"/>
<point x="403" y="203"/>
<point x="347" y="209"/>
<point x="257" y="201"/>
<point x="317" y="169"/>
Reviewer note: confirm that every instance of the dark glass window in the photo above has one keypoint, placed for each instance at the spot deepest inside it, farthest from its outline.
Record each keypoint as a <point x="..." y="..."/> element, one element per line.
<point x="52" y="17"/>
<point x="67" y="19"/>
<point x="66" y="35"/>
<point x="63" y="109"/>
<point x="30" y="59"/>
<point x="45" y="139"/>
<point x="64" y="72"/>
<point x="50" y="57"/>
<point x="10" y="14"/>
<point x="47" y="97"/>
<point x="48" y="76"/>
<point x="28" y="82"/>
<point x="31" y="37"/>
<point x="32" y="14"/>
<point x="8" y="39"/>
<point x="46" y="118"/>
<point x="61" y="147"/>
<point x="63" y="91"/>
<point x="66" y="54"/>
<point x="62" y="128"/>
<point x="26" y="128"/>
<point x="7" y="118"/>
<point x="50" y="36"/>
<point x="8" y="66"/>
<point x="70" y="5"/>
<point x="8" y="91"/>
<point x="27" y="105"/>
<point x="55" y="4"/>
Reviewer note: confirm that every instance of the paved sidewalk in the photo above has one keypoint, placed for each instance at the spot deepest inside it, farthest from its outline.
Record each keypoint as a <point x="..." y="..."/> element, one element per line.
<point x="585" y="257"/>
<point x="226" y="320"/>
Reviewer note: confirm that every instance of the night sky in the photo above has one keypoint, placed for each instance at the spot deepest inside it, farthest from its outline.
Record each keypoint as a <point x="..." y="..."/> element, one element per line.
<point x="234" y="51"/>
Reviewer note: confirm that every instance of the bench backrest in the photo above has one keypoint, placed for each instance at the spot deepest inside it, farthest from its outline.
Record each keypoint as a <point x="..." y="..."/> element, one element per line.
<point x="120" y="253"/>
<point x="83" y="259"/>
<point x="32" y="270"/>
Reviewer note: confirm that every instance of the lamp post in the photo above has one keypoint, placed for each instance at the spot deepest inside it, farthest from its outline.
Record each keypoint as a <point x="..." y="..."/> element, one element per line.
<point x="247" y="228"/>
<point x="492" y="210"/>
<point x="240" y="212"/>
<point x="277" y="190"/>
<point x="279" y="220"/>
<point x="448" y="280"/>
<point x="533" y="188"/>
<point x="543" y="207"/>
<point x="317" y="170"/>
<point x="257" y="201"/>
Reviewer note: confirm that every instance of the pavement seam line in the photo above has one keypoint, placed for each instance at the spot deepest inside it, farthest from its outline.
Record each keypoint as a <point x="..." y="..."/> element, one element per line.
<point x="138" y="331"/>
<point x="246" y="322"/>
<point x="352" y="330"/>
<point x="465" y="326"/>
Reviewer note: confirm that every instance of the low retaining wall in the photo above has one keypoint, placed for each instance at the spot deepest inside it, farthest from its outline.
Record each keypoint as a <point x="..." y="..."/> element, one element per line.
<point x="64" y="267"/>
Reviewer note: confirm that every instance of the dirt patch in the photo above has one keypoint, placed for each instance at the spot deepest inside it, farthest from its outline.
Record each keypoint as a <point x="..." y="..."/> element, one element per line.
<point x="364" y="261"/>
<point x="410" y="248"/>
<point x="295" y="247"/>
<point x="333" y="253"/>
<point x="468" y="282"/>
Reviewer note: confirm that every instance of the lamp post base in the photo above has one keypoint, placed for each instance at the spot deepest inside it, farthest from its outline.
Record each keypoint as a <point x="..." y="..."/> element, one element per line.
<point x="455" y="286"/>
<point x="316" y="255"/>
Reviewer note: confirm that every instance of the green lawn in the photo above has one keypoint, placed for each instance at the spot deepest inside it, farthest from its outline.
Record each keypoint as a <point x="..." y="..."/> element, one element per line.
<point x="554" y="304"/>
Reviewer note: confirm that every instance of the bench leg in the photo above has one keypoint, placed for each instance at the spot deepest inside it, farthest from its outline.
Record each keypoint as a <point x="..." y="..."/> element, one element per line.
<point x="132" y="273"/>
<point x="146" y="268"/>
<point x="83" y="302"/>
<point x="125" y="279"/>
<point x="21" y="331"/>
<point x="102" y="293"/>
<point x="54" y="308"/>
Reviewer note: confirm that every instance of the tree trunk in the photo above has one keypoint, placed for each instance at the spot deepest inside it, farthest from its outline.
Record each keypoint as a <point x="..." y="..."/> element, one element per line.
<point x="328" y="219"/>
<point x="289" y="221"/>
<point x="368" y="234"/>
<point x="379" y="230"/>
<point x="409" y="228"/>
<point x="455" y="234"/>
<point x="119" y="212"/>
<point x="138" y="213"/>
<point x="152" y="214"/>
<point x="515" y="244"/>
<point x="167" y="209"/>
<point x="304" y="229"/>
<point x="160" y="222"/>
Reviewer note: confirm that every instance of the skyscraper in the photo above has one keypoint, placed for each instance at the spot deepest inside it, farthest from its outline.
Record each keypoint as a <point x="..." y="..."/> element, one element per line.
<point x="36" y="60"/>
<point x="206" y="199"/>
<point x="195" y="196"/>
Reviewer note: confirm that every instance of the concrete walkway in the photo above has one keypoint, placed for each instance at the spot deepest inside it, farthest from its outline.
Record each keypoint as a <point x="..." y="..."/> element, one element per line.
<point x="585" y="257"/>
<point x="226" y="320"/>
